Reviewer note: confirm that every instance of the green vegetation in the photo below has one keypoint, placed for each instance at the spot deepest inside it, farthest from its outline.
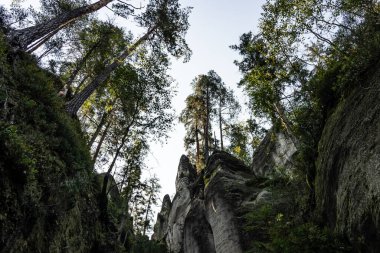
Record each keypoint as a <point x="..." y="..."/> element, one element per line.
<point x="211" y="102"/>
<point x="119" y="85"/>
<point x="48" y="180"/>
<point x="96" y="96"/>
<point x="307" y="57"/>
<point x="47" y="177"/>
<point x="278" y="233"/>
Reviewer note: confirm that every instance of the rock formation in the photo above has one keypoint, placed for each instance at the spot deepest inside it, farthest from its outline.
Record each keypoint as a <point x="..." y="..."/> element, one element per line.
<point x="348" y="167"/>
<point x="207" y="213"/>
<point x="275" y="151"/>
<point x="162" y="219"/>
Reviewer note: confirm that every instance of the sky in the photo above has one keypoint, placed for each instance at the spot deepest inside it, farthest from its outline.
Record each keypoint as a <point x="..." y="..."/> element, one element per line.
<point x="214" y="26"/>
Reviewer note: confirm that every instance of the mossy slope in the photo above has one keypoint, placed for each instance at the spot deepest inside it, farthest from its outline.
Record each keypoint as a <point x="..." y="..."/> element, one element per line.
<point x="47" y="189"/>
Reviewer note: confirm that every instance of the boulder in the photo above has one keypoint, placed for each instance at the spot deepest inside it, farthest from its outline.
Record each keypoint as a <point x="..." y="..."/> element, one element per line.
<point x="208" y="212"/>
<point x="225" y="189"/>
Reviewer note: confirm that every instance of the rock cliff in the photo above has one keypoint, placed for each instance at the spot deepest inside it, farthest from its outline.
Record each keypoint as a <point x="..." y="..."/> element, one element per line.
<point x="48" y="190"/>
<point x="209" y="211"/>
<point x="348" y="167"/>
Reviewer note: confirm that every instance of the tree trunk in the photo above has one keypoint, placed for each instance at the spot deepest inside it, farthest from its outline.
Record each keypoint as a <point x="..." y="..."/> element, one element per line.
<point x="215" y="144"/>
<point x="44" y="54"/>
<point x="77" y="89"/>
<point x="24" y="37"/>
<point x="118" y="150"/>
<point x="40" y="42"/>
<point x="82" y="62"/>
<point x="147" y="213"/>
<point x="220" y="126"/>
<point x="197" y="143"/>
<point x="73" y="106"/>
<point x="103" y="195"/>
<point x="124" y="214"/>
<point x="206" y="125"/>
<point x="100" y="143"/>
<point x="99" y="127"/>
<point x="286" y="123"/>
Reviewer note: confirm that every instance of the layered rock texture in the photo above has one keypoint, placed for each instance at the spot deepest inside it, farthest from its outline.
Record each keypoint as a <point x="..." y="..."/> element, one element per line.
<point x="348" y="167"/>
<point x="48" y="190"/>
<point x="274" y="152"/>
<point x="207" y="212"/>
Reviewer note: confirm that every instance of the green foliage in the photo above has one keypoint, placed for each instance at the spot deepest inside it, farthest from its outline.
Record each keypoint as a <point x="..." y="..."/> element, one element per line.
<point x="275" y="232"/>
<point x="172" y="22"/>
<point x="46" y="171"/>
<point x="244" y="138"/>
<point x="210" y="102"/>
<point x="142" y="244"/>
<point x="306" y="58"/>
<point x="306" y="237"/>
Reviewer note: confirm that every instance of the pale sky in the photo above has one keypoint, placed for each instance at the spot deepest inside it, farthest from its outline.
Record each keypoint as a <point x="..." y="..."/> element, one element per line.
<point x="214" y="26"/>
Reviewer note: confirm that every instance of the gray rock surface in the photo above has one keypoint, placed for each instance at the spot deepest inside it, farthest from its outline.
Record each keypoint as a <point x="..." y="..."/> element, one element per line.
<point x="180" y="206"/>
<point x="207" y="212"/>
<point x="161" y="226"/>
<point x="348" y="167"/>
<point x="225" y="189"/>
<point x="275" y="151"/>
<point x="198" y="235"/>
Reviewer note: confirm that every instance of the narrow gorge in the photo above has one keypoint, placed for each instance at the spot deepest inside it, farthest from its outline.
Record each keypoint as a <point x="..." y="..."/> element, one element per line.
<point x="272" y="108"/>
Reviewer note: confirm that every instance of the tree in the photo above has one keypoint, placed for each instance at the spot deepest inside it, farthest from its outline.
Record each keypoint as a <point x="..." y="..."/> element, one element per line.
<point x="143" y="110"/>
<point x="41" y="32"/>
<point x="191" y="117"/>
<point x="196" y="117"/>
<point x="268" y="79"/>
<point x="144" y="197"/>
<point x="130" y="182"/>
<point x="210" y="99"/>
<point x="166" y="23"/>
<point x="227" y="105"/>
<point x="244" y="138"/>
<point x="309" y="30"/>
<point x="151" y="193"/>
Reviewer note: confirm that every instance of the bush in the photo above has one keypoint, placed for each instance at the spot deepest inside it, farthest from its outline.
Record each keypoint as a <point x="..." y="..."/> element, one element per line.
<point x="274" y="232"/>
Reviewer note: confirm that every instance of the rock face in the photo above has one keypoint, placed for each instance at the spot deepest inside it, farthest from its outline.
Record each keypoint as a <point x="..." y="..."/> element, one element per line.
<point x="198" y="236"/>
<point x="181" y="205"/>
<point x="162" y="219"/>
<point x="48" y="190"/>
<point x="207" y="211"/>
<point x="274" y="152"/>
<point x="348" y="168"/>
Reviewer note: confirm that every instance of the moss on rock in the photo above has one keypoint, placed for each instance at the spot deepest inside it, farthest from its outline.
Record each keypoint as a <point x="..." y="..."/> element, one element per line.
<point x="48" y="192"/>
